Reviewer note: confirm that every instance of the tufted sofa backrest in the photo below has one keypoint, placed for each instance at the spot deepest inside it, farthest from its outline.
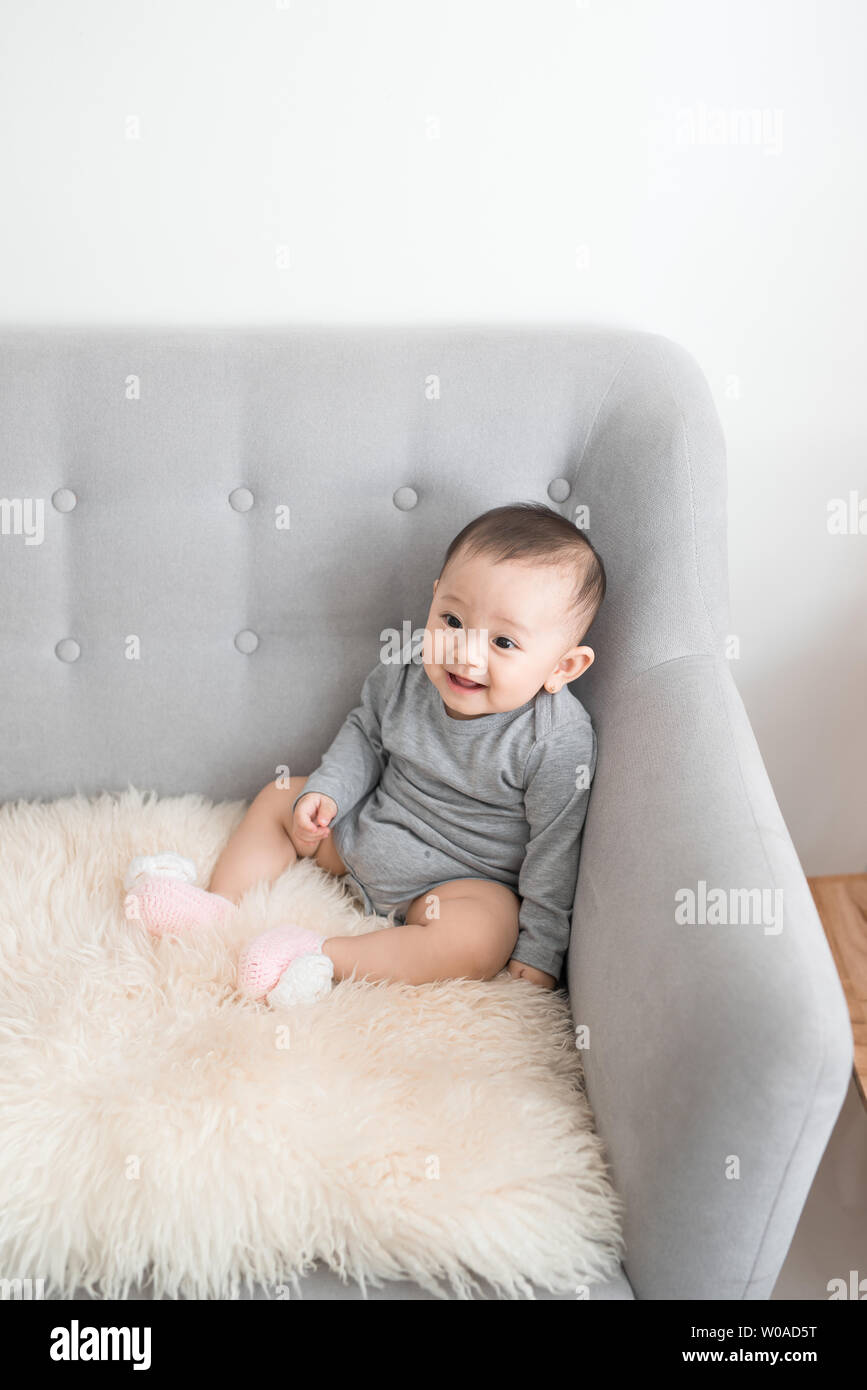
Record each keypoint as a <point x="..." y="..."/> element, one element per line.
<point x="205" y="531"/>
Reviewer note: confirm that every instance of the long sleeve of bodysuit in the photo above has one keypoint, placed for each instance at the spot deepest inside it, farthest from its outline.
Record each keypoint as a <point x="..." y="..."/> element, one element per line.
<point x="353" y="763"/>
<point x="559" y="772"/>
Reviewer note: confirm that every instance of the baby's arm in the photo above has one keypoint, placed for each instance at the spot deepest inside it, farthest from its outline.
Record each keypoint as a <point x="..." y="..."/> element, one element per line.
<point x="555" y="804"/>
<point x="355" y="760"/>
<point x="271" y="833"/>
<point x="529" y="972"/>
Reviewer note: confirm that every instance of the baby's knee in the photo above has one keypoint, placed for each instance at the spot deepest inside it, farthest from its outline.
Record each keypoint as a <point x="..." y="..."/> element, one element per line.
<point x="498" y="929"/>
<point x="276" y="800"/>
<point x="481" y="919"/>
<point x="486" y="955"/>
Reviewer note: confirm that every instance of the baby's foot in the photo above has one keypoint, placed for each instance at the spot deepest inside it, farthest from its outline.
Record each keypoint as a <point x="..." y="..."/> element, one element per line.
<point x="164" y="865"/>
<point x="266" y="959"/>
<point x="308" y="978"/>
<point x="168" y="907"/>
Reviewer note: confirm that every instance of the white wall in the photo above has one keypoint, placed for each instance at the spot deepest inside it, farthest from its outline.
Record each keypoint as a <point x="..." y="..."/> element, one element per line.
<point x="576" y="173"/>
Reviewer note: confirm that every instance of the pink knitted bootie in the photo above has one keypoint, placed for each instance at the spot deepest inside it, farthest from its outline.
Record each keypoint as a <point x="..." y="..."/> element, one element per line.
<point x="164" y="898"/>
<point x="287" y="964"/>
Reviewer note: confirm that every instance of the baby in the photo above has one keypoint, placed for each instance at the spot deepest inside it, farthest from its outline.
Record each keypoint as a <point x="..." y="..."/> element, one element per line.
<point x="454" y="794"/>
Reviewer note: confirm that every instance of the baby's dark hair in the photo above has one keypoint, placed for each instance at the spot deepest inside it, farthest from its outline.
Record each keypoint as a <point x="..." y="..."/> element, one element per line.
<point x="537" y="534"/>
<point x="532" y="532"/>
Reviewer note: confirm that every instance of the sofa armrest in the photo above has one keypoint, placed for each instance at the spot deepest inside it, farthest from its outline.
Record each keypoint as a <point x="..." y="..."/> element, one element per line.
<point x="719" y="1052"/>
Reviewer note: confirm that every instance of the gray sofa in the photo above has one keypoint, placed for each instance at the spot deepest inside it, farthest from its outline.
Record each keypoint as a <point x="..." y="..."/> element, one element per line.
<point x="719" y="1053"/>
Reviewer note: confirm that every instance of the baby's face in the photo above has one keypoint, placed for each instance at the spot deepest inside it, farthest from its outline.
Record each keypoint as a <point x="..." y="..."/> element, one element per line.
<point x="497" y="632"/>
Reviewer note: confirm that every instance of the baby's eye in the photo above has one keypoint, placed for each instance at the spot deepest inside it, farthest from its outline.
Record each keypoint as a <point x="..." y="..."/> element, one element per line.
<point x="452" y="621"/>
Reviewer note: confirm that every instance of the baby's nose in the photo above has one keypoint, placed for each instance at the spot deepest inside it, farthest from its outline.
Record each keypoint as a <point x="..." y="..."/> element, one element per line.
<point x="477" y="649"/>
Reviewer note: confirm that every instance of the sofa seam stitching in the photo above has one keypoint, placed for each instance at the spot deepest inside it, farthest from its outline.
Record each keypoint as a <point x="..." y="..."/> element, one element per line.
<point x="822" y="1051"/>
<point x="606" y="393"/>
<point x="688" y="460"/>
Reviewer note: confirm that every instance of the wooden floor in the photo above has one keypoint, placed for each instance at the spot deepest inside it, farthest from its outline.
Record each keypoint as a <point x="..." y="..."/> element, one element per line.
<point x="841" y="900"/>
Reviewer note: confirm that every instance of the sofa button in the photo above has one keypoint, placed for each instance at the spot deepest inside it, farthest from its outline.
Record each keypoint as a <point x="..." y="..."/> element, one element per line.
<point x="241" y="499"/>
<point x="246" y="641"/>
<point x="68" y="649"/>
<point x="64" y="500"/>
<point x="559" y="489"/>
<point x="405" y="498"/>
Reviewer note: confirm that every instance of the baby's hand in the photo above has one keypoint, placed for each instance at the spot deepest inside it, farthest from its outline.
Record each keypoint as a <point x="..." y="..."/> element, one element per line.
<point x="529" y="972"/>
<point x="313" y="812"/>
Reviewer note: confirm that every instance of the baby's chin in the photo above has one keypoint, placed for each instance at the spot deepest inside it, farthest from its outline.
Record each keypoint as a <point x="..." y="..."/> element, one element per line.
<point x="475" y="702"/>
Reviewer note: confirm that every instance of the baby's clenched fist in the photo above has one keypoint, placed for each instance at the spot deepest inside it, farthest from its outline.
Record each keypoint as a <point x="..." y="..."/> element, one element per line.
<point x="311" y="821"/>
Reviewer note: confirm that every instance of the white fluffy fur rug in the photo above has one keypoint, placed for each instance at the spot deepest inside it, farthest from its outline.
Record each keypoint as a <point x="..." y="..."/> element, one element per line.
<point x="154" y="1123"/>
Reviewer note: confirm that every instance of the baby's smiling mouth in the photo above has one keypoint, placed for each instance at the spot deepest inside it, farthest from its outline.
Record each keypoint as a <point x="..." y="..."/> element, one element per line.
<point x="461" y="682"/>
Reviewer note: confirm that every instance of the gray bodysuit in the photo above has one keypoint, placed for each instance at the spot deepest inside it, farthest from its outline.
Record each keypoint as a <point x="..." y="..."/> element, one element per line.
<point x="423" y="798"/>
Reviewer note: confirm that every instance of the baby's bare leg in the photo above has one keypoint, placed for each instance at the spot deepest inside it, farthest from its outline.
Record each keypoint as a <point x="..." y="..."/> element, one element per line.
<point x="473" y="936"/>
<point x="261" y="848"/>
